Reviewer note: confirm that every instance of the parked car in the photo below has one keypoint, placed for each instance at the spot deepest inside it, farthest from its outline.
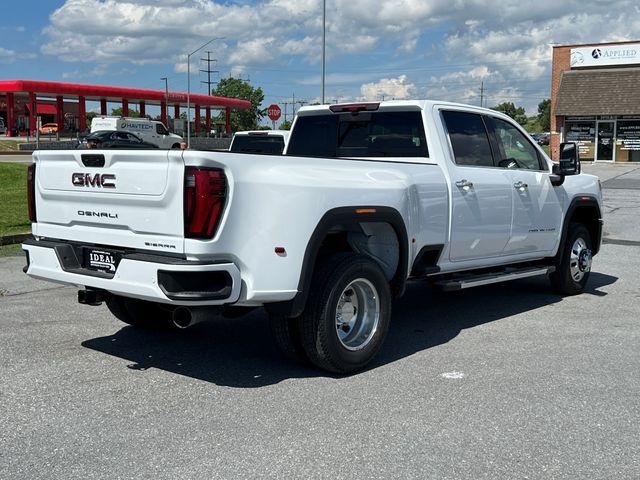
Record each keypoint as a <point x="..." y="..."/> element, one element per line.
<point x="49" y="129"/>
<point x="3" y="129"/>
<point x="543" y="138"/>
<point x="114" y="139"/>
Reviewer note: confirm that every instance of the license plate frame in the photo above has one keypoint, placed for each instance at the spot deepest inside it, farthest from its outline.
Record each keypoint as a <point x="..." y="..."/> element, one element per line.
<point x="101" y="260"/>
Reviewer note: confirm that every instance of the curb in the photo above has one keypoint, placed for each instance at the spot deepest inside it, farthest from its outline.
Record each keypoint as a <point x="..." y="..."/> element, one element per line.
<point x="15" y="152"/>
<point x="13" y="239"/>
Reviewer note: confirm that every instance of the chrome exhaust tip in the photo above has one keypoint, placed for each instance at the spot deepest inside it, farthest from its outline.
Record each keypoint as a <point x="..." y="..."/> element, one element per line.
<point x="185" y="317"/>
<point x="182" y="317"/>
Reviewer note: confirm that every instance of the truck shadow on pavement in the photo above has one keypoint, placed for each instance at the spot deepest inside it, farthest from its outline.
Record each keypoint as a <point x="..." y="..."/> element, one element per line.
<point x="240" y="353"/>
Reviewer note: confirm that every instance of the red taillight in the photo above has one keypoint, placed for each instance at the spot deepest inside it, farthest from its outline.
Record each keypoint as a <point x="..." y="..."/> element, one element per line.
<point x="354" y="107"/>
<point x="204" y="195"/>
<point x="31" y="192"/>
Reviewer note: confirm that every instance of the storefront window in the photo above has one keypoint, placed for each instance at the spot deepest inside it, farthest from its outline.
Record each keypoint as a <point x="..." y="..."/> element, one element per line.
<point x="584" y="134"/>
<point x="628" y="141"/>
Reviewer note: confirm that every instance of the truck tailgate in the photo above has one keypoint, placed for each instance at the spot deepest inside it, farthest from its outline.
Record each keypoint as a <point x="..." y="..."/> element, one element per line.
<point x="111" y="197"/>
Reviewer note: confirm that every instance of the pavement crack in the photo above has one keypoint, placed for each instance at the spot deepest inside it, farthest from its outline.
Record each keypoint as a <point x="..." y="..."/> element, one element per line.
<point x="6" y="293"/>
<point x="616" y="241"/>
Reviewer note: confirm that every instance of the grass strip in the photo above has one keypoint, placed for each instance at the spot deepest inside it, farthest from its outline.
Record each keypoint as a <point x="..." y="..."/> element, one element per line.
<point x="9" y="145"/>
<point x="14" y="216"/>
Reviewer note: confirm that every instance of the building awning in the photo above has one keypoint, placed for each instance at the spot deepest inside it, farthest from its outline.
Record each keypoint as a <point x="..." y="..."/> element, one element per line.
<point x="614" y="91"/>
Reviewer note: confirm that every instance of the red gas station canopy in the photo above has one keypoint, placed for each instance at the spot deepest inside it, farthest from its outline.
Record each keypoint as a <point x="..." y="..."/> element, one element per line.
<point x="116" y="94"/>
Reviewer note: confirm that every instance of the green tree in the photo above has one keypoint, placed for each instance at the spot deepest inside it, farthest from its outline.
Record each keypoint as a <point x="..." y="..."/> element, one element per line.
<point x="544" y="114"/>
<point x="90" y="116"/>
<point x="517" y="113"/>
<point x="286" y="125"/>
<point x="237" y="88"/>
<point x="117" y="112"/>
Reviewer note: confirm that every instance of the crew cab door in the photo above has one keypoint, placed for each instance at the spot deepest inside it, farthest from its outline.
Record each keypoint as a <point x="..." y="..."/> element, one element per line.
<point x="481" y="204"/>
<point x="537" y="208"/>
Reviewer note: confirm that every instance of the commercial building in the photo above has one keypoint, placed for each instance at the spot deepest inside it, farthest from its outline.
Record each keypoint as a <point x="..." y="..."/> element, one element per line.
<point x="595" y="100"/>
<point x="23" y="101"/>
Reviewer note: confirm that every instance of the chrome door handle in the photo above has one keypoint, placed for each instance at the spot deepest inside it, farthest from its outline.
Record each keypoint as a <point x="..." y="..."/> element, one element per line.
<point x="465" y="184"/>
<point x="520" y="185"/>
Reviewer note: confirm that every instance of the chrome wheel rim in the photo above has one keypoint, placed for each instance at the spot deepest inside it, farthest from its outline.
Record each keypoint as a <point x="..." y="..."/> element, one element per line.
<point x="357" y="314"/>
<point x="580" y="260"/>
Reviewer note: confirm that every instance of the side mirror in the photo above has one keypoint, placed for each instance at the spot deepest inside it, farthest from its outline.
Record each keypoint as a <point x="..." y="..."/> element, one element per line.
<point x="569" y="160"/>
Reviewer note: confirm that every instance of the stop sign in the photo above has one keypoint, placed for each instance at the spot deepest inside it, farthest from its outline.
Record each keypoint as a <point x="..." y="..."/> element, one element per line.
<point x="274" y="112"/>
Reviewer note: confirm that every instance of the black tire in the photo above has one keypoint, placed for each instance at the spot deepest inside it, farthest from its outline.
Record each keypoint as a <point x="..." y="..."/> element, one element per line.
<point x="140" y="313"/>
<point x="573" y="262"/>
<point x="286" y="335"/>
<point x="175" y="146"/>
<point x="322" y="339"/>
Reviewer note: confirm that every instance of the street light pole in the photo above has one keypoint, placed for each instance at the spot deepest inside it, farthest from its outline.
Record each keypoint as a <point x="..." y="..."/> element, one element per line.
<point x="324" y="38"/>
<point x="189" y="87"/>
<point x="166" y="99"/>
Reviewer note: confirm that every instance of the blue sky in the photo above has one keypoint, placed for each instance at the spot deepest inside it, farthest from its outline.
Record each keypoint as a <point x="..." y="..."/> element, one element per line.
<point x="441" y="49"/>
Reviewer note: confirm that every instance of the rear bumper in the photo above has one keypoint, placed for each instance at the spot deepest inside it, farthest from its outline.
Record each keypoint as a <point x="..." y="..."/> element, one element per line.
<point x="148" y="277"/>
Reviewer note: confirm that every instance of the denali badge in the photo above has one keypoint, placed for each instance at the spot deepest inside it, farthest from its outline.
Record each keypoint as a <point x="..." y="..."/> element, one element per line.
<point x="104" y="180"/>
<point x="88" y="213"/>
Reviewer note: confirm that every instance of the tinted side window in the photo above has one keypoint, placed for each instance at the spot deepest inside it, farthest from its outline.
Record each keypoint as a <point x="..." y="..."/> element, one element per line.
<point x="469" y="139"/>
<point x="365" y="134"/>
<point x="161" y="130"/>
<point x="515" y="151"/>
<point x="314" y="136"/>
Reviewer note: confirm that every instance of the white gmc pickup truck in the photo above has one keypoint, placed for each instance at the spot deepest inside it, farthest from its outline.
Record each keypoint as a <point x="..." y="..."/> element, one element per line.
<point x="366" y="197"/>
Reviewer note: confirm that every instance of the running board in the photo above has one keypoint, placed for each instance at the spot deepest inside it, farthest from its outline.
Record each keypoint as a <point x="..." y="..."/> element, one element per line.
<point x="470" y="281"/>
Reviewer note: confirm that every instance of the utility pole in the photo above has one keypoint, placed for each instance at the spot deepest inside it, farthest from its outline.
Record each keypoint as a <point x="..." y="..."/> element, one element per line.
<point x="166" y="99"/>
<point x="208" y="71"/>
<point x="481" y="93"/>
<point x="324" y="43"/>
<point x="189" y="87"/>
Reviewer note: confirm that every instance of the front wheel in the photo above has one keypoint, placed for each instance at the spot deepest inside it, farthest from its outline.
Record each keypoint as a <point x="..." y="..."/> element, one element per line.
<point x="573" y="263"/>
<point x="347" y="315"/>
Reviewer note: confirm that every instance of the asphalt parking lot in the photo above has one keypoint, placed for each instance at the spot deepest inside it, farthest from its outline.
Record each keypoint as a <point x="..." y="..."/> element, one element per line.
<point x="508" y="381"/>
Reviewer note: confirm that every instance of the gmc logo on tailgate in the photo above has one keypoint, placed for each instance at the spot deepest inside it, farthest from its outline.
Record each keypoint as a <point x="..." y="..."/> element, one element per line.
<point x="104" y="180"/>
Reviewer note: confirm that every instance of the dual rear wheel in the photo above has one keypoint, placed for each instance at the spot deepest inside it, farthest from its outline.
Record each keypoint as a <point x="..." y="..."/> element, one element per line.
<point x="140" y="313"/>
<point x="346" y="318"/>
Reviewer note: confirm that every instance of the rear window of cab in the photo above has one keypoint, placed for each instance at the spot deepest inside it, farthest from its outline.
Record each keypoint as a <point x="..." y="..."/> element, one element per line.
<point x="359" y="134"/>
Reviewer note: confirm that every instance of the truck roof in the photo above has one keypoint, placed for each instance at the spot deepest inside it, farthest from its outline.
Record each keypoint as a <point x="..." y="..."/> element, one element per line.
<point x="385" y="105"/>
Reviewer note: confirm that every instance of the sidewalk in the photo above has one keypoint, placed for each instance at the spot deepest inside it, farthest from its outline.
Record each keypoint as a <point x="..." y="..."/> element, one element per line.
<point x="607" y="171"/>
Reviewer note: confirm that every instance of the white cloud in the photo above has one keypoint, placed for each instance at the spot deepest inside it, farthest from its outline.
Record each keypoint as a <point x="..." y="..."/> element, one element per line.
<point x="7" y="56"/>
<point x="388" y="88"/>
<point x="505" y="44"/>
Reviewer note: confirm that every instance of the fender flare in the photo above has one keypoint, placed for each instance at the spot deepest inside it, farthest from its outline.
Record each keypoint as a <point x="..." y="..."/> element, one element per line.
<point x="578" y="202"/>
<point x="352" y="215"/>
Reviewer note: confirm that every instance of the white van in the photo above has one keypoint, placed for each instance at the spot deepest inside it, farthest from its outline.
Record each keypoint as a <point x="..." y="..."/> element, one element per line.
<point x="148" y="130"/>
